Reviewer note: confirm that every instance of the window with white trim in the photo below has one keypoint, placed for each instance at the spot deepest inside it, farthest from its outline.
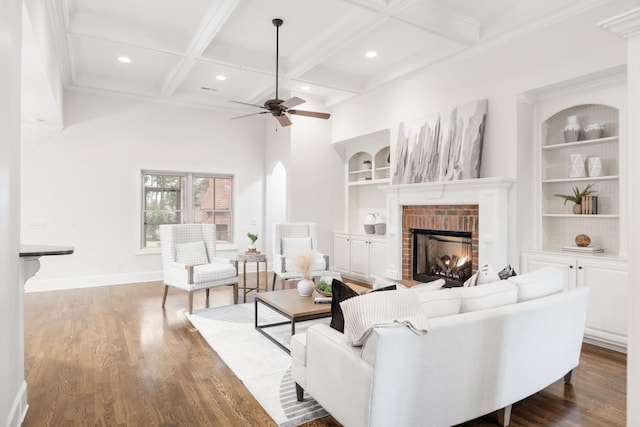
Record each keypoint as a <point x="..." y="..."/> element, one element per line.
<point x="184" y="197"/>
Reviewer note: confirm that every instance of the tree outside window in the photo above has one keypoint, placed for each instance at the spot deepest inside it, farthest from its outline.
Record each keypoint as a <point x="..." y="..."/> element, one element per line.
<point x="167" y="201"/>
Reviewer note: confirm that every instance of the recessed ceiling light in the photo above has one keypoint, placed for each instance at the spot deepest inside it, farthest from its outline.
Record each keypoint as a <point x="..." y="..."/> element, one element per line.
<point x="221" y="77"/>
<point x="371" y="54"/>
<point x="124" y="59"/>
<point x="305" y="87"/>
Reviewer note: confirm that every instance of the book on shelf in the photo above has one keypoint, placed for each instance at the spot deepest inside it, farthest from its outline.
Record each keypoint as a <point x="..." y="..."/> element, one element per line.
<point x="589" y="205"/>
<point x="583" y="249"/>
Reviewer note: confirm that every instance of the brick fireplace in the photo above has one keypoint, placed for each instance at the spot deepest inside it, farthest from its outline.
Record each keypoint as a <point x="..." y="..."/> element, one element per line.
<point x="437" y="217"/>
<point x="480" y="205"/>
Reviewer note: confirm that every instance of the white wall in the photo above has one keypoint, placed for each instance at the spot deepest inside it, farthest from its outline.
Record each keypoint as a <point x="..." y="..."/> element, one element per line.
<point x="314" y="172"/>
<point x="12" y="385"/>
<point x="554" y="54"/>
<point x="81" y="186"/>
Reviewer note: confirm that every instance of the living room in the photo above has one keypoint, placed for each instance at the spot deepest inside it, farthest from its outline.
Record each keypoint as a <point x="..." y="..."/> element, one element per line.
<point x="81" y="185"/>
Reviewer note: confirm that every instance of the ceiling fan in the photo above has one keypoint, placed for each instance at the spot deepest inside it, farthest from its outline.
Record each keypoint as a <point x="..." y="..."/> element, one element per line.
<point x="277" y="107"/>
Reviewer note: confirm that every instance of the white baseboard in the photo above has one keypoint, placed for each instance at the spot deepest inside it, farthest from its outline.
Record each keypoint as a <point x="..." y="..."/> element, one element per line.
<point x="41" y="285"/>
<point x="19" y="407"/>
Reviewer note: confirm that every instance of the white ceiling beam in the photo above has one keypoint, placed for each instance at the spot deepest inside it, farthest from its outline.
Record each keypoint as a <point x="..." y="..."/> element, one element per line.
<point x="347" y="28"/>
<point x="209" y="26"/>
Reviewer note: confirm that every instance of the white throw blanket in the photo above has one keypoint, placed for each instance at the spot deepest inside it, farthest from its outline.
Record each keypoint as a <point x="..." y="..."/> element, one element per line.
<point x="382" y="309"/>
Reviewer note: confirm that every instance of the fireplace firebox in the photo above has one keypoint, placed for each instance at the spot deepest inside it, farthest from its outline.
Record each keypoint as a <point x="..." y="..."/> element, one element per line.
<point x="442" y="254"/>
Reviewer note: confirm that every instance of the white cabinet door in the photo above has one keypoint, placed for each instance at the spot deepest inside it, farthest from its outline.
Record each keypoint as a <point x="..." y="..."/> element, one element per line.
<point x="378" y="257"/>
<point x="534" y="261"/>
<point x="607" y="280"/>
<point x="607" y="315"/>
<point x="341" y="252"/>
<point x="360" y="256"/>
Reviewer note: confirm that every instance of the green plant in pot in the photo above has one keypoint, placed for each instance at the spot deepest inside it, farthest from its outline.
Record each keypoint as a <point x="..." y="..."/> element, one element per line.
<point x="253" y="238"/>
<point x="576" y="197"/>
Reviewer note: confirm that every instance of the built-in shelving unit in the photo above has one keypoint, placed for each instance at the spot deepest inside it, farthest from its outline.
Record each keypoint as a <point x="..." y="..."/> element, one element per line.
<point x="559" y="224"/>
<point x="601" y="99"/>
<point x="367" y="167"/>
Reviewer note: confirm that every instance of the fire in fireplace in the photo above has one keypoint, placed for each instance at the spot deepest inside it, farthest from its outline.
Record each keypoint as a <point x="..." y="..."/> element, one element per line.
<point x="441" y="254"/>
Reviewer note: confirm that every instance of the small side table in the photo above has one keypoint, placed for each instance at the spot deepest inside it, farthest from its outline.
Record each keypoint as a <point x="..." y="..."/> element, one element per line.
<point x="257" y="258"/>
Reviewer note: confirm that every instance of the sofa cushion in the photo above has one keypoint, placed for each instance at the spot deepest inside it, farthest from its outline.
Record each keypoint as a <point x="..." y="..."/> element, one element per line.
<point x="430" y="286"/>
<point x="192" y="253"/>
<point x="386" y="309"/>
<point x="538" y="283"/>
<point x="445" y="302"/>
<point x="486" y="274"/>
<point x="487" y="296"/>
<point x="341" y="292"/>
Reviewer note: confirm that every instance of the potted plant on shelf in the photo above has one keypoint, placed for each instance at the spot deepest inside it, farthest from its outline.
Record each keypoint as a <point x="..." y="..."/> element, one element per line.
<point x="576" y="197"/>
<point x="252" y="248"/>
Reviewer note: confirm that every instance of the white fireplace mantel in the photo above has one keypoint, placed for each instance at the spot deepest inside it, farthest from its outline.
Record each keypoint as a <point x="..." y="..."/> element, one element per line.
<point x="490" y="194"/>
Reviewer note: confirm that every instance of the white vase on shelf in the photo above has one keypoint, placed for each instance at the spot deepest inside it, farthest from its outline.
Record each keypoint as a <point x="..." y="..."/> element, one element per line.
<point x="572" y="129"/>
<point x="369" y="223"/>
<point x="595" y="166"/>
<point x="576" y="166"/>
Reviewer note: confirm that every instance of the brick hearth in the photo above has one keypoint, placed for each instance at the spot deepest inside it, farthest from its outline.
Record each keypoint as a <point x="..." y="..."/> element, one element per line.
<point x="438" y="217"/>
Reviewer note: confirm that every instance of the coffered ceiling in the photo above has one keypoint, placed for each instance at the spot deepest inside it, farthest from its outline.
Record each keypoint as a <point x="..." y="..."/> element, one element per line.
<point x="177" y="48"/>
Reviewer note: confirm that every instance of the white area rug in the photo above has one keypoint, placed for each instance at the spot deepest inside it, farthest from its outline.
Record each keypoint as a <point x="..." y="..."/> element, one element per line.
<point x="263" y="367"/>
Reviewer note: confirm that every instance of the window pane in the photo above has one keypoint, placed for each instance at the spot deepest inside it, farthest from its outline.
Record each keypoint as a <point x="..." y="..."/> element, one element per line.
<point x="222" y="193"/>
<point x="162" y="204"/>
<point x="223" y="226"/>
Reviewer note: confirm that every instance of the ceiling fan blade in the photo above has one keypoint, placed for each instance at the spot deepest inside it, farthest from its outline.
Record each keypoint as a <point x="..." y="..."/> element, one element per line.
<point x="283" y="120"/>
<point x="246" y="103"/>
<point x="292" y="102"/>
<point x="310" y="114"/>
<point x="249" y="115"/>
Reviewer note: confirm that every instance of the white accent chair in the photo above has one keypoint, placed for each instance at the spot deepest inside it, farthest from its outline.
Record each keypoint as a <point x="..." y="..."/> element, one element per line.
<point x="288" y="239"/>
<point x="189" y="261"/>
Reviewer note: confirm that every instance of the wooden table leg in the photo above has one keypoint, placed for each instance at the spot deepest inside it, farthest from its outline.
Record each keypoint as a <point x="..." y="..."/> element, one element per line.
<point x="266" y="283"/>
<point x="257" y="276"/>
<point x="244" y="281"/>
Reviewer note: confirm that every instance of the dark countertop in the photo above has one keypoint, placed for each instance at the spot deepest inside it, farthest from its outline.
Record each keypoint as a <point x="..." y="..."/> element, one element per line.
<point x="44" y="250"/>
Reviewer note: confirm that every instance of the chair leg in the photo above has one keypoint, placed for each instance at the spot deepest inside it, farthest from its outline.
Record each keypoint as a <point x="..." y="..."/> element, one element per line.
<point x="235" y="293"/>
<point x="191" y="302"/>
<point x="207" y="293"/>
<point x="164" y="298"/>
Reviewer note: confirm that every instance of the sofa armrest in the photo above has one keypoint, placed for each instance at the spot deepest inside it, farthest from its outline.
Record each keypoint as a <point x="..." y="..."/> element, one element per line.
<point x="337" y="377"/>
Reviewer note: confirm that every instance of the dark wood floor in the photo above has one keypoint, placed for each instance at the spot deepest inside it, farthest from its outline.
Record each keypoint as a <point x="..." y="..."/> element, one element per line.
<point x="111" y="356"/>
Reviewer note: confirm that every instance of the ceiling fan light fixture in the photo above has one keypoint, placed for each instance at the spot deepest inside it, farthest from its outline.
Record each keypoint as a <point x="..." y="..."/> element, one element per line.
<point x="371" y="54"/>
<point x="221" y="77"/>
<point x="276" y="106"/>
<point x="124" y="59"/>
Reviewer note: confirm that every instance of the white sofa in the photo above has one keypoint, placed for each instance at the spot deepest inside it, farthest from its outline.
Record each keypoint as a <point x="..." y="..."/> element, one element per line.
<point x="467" y="365"/>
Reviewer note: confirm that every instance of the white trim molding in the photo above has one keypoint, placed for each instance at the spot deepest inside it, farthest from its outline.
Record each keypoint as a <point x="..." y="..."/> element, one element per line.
<point x="490" y="194"/>
<point x="627" y="26"/>
<point x="19" y="407"/>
